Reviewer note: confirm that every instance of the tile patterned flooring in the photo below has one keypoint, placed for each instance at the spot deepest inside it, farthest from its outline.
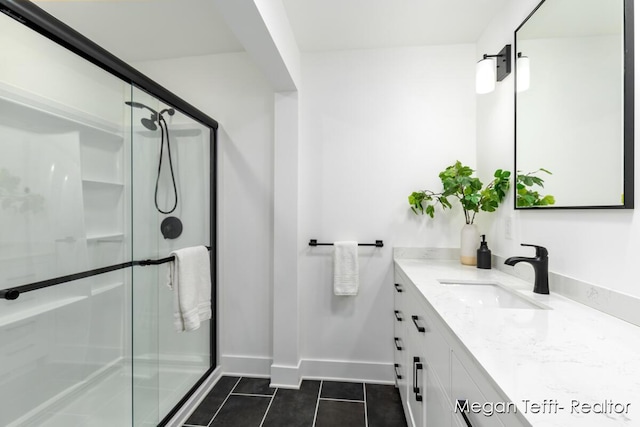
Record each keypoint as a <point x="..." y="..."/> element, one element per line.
<point x="250" y="402"/>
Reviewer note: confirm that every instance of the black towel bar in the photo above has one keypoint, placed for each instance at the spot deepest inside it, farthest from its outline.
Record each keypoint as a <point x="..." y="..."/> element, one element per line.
<point x="377" y="244"/>
<point x="14" y="293"/>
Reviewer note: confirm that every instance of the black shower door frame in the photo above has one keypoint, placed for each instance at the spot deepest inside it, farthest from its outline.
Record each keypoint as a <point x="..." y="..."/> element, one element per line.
<point x="40" y="21"/>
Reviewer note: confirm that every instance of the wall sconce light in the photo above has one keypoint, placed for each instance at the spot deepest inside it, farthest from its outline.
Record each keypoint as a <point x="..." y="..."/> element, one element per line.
<point x="523" y="74"/>
<point x="488" y="70"/>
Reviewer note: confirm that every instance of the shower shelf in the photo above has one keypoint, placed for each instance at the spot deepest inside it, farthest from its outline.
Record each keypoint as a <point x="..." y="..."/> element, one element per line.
<point x="52" y="115"/>
<point x="99" y="182"/>
<point x="105" y="288"/>
<point x="37" y="309"/>
<point x="107" y="237"/>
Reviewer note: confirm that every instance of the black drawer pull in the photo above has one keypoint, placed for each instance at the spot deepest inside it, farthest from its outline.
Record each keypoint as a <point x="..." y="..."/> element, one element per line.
<point x="418" y="327"/>
<point x="398" y="316"/>
<point x="461" y="404"/>
<point x="398" y="343"/>
<point x="396" y="368"/>
<point x="398" y="287"/>
<point x="417" y="366"/>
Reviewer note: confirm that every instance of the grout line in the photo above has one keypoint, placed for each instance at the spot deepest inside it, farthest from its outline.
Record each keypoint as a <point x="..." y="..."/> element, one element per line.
<point x="225" y="401"/>
<point x="268" y="407"/>
<point x="366" y="419"/>
<point x="315" y="415"/>
<point x="342" y="400"/>
<point x="235" y="386"/>
<point x="252" y="395"/>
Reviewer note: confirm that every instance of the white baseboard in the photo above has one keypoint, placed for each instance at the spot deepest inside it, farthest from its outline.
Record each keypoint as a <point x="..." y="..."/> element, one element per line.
<point x="320" y="369"/>
<point x="284" y="376"/>
<point x="247" y="366"/>
<point x="187" y="409"/>
<point x="344" y="370"/>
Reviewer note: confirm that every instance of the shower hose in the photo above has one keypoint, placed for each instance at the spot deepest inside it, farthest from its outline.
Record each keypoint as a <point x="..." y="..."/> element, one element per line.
<point x="164" y="130"/>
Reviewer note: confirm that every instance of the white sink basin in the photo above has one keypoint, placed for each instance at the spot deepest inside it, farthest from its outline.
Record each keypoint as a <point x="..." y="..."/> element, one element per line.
<point x="490" y="295"/>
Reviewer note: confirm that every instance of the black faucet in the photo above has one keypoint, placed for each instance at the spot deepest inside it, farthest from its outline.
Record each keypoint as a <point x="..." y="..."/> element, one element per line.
<point x="540" y="265"/>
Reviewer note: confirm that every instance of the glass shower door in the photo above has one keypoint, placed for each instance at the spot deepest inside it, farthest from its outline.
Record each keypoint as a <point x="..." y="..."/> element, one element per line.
<point x="170" y="196"/>
<point x="63" y="210"/>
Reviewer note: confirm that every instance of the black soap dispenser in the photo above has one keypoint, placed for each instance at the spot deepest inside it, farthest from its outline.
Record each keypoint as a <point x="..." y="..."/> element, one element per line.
<point x="484" y="255"/>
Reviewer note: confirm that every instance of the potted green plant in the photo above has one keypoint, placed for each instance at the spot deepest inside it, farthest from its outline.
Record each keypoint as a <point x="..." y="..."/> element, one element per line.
<point x="473" y="195"/>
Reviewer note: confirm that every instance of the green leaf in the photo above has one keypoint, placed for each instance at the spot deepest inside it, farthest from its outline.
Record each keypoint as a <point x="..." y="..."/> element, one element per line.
<point x="549" y="199"/>
<point x="430" y="210"/>
<point x="525" y="195"/>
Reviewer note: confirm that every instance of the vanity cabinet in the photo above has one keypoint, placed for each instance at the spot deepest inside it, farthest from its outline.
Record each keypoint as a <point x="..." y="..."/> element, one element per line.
<point x="434" y="370"/>
<point x="423" y="358"/>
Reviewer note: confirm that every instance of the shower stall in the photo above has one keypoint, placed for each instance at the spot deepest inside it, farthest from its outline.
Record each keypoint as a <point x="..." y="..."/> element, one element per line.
<point x="103" y="173"/>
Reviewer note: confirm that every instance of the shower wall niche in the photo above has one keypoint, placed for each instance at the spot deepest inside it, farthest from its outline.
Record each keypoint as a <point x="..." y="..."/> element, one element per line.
<point x="90" y="339"/>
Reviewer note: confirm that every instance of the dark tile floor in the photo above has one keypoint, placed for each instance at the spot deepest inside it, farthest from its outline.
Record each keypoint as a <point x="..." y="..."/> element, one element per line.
<point x="250" y="402"/>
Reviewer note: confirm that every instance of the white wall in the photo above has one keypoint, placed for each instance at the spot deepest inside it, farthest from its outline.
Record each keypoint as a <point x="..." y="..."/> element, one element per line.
<point x="599" y="246"/>
<point x="375" y="125"/>
<point x="229" y="88"/>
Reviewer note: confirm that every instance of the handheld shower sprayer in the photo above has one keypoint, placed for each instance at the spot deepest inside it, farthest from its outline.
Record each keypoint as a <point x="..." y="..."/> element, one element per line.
<point x="174" y="228"/>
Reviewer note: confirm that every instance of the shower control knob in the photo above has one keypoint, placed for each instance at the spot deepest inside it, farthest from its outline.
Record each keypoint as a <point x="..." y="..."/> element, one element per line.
<point x="171" y="227"/>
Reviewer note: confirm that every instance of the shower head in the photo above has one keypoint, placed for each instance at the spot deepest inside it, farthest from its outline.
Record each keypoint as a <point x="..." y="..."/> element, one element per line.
<point x="149" y="123"/>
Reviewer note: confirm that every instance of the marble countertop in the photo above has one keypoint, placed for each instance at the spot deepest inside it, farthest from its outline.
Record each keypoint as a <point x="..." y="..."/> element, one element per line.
<point x="569" y="353"/>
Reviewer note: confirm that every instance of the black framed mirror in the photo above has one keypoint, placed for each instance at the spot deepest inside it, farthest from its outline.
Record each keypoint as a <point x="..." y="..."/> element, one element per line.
<point x="574" y="98"/>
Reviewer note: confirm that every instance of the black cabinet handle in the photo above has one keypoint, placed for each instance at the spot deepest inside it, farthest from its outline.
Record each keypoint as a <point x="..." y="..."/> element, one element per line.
<point x="417" y="366"/>
<point x="398" y="343"/>
<point x="418" y="327"/>
<point x="398" y="316"/>
<point x="398" y="287"/>
<point x="396" y="368"/>
<point x="462" y="403"/>
<point x="415" y="373"/>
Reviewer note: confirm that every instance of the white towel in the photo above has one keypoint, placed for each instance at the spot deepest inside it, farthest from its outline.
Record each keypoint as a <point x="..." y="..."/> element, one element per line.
<point x="345" y="268"/>
<point x="190" y="280"/>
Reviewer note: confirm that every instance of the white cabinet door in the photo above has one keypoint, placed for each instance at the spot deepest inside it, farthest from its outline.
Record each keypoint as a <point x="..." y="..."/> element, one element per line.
<point x="464" y="389"/>
<point x="438" y="407"/>
<point x="416" y="394"/>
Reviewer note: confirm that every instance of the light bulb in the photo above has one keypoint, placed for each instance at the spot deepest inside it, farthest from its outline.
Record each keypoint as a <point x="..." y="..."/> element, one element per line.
<point x="523" y="73"/>
<point x="485" y="75"/>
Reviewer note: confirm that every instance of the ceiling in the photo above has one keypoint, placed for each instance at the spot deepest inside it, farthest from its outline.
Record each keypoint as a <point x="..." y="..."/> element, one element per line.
<point x="148" y="29"/>
<point x="159" y="29"/>
<point x="364" y="24"/>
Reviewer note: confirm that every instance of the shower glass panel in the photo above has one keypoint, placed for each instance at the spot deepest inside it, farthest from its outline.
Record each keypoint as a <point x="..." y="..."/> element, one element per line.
<point x="81" y="195"/>
<point x="64" y="209"/>
<point x="166" y="363"/>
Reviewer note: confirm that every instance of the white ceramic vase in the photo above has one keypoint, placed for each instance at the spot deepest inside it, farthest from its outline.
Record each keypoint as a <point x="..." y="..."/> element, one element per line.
<point x="469" y="242"/>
